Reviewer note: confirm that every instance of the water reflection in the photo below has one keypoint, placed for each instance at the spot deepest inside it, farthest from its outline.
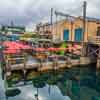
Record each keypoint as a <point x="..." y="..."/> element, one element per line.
<point x="70" y="84"/>
<point x="12" y="92"/>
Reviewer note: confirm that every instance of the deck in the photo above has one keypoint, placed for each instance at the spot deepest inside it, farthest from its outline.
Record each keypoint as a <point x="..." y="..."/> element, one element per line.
<point x="32" y="63"/>
<point x="43" y="66"/>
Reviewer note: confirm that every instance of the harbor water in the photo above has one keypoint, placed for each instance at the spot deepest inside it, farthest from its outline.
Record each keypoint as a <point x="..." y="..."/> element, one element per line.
<point x="78" y="83"/>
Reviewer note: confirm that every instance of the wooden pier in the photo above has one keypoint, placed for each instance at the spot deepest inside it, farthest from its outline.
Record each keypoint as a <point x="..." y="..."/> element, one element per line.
<point x="92" y="48"/>
<point x="29" y="63"/>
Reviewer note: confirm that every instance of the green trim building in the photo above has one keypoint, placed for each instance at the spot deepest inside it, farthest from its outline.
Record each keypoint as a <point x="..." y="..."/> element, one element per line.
<point x="13" y="29"/>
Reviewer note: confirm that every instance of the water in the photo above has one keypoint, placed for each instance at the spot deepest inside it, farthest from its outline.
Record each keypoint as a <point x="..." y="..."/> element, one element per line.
<point x="70" y="84"/>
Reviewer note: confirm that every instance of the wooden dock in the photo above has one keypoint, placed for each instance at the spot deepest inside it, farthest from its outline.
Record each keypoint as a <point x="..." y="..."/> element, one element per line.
<point x="28" y="63"/>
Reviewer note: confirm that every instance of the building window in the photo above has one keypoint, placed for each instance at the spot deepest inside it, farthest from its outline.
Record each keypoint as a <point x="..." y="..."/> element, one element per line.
<point x="66" y="34"/>
<point x="78" y="34"/>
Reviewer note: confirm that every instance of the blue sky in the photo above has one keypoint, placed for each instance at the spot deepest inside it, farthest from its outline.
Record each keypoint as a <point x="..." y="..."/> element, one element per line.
<point x="30" y="12"/>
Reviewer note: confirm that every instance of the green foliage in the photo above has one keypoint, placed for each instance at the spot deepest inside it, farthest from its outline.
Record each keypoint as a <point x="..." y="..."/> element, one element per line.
<point x="63" y="45"/>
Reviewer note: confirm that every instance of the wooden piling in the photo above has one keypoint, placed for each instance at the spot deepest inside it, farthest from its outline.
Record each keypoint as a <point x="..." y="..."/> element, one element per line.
<point x="98" y="60"/>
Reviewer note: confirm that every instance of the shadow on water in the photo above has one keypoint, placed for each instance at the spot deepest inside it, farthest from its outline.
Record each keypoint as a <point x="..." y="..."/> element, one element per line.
<point x="12" y="93"/>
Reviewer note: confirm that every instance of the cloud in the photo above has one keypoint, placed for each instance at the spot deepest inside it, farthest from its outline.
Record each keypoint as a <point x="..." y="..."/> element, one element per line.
<point x="26" y="12"/>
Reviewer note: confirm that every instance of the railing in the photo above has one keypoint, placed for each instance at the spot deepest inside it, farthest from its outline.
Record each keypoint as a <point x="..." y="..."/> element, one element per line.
<point x="94" y="40"/>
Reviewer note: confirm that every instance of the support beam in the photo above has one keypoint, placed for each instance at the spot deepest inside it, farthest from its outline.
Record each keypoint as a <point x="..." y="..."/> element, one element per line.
<point x="98" y="60"/>
<point x="93" y="51"/>
<point x="83" y="59"/>
<point x="84" y="29"/>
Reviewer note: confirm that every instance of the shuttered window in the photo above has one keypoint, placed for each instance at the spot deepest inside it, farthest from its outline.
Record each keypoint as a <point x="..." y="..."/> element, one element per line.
<point x="66" y="34"/>
<point x="78" y="34"/>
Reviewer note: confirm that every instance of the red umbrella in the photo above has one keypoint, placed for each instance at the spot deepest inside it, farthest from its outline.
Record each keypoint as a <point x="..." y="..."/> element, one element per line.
<point x="52" y="49"/>
<point x="7" y="43"/>
<point x="26" y="47"/>
<point x="11" y="44"/>
<point x="10" y="51"/>
<point x="22" y="46"/>
<point x="12" y="47"/>
<point x="18" y="45"/>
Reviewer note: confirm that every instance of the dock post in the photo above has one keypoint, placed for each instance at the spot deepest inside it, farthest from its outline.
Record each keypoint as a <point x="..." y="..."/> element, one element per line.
<point x="98" y="60"/>
<point x="24" y="70"/>
<point x="84" y="59"/>
<point x="8" y="69"/>
<point x="69" y="64"/>
<point x="55" y="64"/>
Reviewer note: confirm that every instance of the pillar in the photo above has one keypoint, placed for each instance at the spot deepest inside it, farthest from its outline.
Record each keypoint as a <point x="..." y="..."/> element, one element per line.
<point x="69" y="64"/>
<point x="84" y="59"/>
<point x="8" y="69"/>
<point x="98" y="60"/>
<point x="24" y="70"/>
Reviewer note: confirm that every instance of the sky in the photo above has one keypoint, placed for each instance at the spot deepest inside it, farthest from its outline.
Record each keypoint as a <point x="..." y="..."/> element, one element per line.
<point x="31" y="12"/>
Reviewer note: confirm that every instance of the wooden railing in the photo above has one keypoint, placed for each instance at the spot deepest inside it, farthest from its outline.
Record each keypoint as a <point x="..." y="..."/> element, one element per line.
<point x="94" y="40"/>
